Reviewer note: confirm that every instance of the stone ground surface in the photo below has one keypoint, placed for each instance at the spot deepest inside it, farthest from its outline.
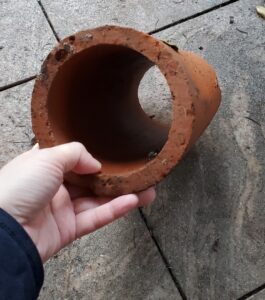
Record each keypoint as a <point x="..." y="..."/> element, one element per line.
<point x="205" y="235"/>
<point x="69" y="16"/>
<point x="213" y="203"/>
<point x="26" y="39"/>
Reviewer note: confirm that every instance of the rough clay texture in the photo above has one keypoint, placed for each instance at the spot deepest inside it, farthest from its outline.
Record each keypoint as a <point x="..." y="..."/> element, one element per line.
<point x="209" y="217"/>
<point x="25" y="40"/>
<point x="97" y="103"/>
<point x="69" y="16"/>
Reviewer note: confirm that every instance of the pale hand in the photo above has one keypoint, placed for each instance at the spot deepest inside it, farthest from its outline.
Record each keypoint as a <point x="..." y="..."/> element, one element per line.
<point x="32" y="191"/>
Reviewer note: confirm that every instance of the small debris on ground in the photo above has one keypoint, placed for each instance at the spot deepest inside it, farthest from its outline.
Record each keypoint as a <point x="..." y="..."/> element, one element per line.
<point x="241" y="31"/>
<point x="261" y="11"/>
<point x="232" y="20"/>
<point x="152" y="155"/>
<point x="215" y="245"/>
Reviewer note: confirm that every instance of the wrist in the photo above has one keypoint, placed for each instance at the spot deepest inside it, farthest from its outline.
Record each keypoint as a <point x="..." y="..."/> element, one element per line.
<point x="11" y="211"/>
<point x="19" y="233"/>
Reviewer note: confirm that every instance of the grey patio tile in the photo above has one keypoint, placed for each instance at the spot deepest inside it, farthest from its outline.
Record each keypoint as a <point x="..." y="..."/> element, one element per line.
<point x="25" y="40"/>
<point x="69" y="16"/>
<point x="210" y="212"/>
<point x="15" y="122"/>
<point x="118" y="262"/>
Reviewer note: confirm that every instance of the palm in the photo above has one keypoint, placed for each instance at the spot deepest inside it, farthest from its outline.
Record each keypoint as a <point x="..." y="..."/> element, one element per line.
<point x="55" y="226"/>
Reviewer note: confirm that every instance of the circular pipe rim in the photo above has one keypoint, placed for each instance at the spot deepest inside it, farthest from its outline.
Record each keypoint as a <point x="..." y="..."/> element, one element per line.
<point x="171" y="66"/>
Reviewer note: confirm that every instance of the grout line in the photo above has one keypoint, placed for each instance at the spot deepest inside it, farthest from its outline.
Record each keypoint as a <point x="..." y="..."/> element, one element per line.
<point x="177" y="284"/>
<point x="19" y="82"/>
<point x="252" y="293"/>
<point x="193" y="16"/>
<point x="48" y="20"/>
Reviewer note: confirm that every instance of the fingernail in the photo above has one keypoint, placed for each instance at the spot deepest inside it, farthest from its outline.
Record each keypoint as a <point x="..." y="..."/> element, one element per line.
<point x="96" y="163"/>
<point x="36" y="146"/>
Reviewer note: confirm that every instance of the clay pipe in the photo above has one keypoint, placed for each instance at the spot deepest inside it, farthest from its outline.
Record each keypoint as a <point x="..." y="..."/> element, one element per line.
<point x="87" y="91"/>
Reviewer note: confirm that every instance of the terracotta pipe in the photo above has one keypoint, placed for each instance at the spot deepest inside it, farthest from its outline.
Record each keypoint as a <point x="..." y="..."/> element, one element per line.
<point x="87" y="91"/>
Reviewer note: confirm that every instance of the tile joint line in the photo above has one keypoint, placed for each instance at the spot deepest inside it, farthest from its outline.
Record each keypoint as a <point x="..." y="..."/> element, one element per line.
<point x="193" y="16"/>
<point x="48" y="20"/>
<point x="165" y="261"/>
<point x="16" y="83"/>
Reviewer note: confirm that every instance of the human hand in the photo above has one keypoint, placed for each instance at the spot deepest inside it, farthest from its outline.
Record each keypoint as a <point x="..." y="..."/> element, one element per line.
<point x="32" y="191"/>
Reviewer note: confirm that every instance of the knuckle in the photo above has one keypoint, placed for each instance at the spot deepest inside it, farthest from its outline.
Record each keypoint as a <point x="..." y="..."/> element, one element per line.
<point x="77" y="145"/>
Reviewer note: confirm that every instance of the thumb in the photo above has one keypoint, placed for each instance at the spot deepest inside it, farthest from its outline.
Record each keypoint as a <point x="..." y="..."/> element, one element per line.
<point x="74" y="157"/>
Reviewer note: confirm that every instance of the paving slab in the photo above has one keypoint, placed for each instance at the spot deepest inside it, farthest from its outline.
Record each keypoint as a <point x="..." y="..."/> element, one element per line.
<point x="25" y="40"/>
<point x="210" y="212"/>
<point x="69" y="16"/>
<point x="118" y="262"/>
<point x="15" y="122"/>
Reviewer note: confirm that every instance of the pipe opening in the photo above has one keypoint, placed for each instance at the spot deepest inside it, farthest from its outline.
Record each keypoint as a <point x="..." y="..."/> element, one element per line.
<point x="155" y="96"/>
<point x="94" y="100"/>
